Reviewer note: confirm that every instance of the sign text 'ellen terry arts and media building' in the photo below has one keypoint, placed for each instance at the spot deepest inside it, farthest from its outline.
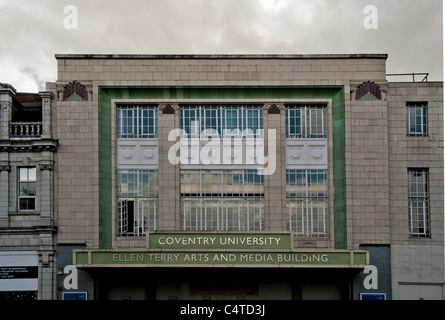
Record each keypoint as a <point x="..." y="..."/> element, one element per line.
<point x="219" y="250"/>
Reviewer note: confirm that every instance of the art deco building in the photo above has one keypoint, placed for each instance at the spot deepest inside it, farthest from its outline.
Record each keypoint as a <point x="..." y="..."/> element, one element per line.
<point x="245" y="177"/>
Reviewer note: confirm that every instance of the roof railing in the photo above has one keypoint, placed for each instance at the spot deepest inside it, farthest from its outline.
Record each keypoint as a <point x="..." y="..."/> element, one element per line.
<point x="414" y="74"/>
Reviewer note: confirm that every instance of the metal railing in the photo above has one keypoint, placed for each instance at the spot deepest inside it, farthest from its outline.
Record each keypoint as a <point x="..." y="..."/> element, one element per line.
<point x="424" y="74"/>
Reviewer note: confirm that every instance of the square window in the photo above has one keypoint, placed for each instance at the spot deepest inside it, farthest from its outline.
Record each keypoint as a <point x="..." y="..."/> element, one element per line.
<point x="306" y="121"/>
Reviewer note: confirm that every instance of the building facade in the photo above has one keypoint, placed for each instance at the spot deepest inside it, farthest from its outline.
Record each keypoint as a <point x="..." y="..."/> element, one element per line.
<point x="27" y="222"/>
<point x="246" y="177"/>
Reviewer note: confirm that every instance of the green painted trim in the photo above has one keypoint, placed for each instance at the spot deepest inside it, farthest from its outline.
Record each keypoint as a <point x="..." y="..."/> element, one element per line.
<point x="224" y="258"/>
<point x="74" y="97"/>
<point x="339" y="169"/>
<point x="336" y="93"/>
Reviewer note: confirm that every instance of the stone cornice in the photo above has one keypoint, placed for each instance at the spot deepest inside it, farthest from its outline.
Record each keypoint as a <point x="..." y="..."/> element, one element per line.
<point x="29" y="145"/>
<point x="29" y="230"/>
<point x="223" y="56"/>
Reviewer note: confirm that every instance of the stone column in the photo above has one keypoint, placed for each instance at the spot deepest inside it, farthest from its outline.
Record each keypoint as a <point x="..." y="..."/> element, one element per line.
<point x="47" y="98"/>
<point x="6" y="93"/>
<point x="46" y="206"/>
<point x="5" y="168"/>
<point x="47" y="266"/>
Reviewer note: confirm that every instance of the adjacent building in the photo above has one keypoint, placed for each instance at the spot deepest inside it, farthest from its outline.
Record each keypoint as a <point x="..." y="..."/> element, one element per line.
<point x="240" y="177"/>
<point x="27" y="221"/>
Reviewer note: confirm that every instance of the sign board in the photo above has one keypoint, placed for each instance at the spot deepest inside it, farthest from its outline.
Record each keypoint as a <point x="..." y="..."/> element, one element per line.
<point x="372" y="296"/>
<point x="238" y="241"/>
<point x="341" y="258"/>
<point x="184" y="249"/>
<point x="19" y="271"/>
<point x="74" y="296"/>
<point x="12" y="272"/>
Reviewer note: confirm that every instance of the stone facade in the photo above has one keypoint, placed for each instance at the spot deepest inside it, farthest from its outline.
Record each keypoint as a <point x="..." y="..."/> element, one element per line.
<point x="27" y="234"/>
<point x="366" y="152"/>
<point x="416" y="263"/>
<point x="371" y="209"/>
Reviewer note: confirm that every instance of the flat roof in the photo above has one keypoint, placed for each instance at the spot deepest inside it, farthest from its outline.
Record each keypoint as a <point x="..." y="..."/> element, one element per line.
<point x="224" y="56"/>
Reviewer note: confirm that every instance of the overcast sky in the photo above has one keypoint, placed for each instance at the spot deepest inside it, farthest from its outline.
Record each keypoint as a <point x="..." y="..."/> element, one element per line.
<point x="32" y="32"/>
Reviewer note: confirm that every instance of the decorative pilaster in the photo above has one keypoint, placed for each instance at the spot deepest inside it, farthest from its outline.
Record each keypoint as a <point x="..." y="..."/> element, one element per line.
<point x="274" y="184"/>
<point x="6" y="93"/>
<point x="47" y="98"/>
<point x="46" y="168"/>
<point x="168" y="187"/>
<point x="5" y="168"/>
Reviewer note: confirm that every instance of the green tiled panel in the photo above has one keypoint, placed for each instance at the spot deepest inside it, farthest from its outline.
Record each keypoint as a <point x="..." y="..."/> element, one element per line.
<point x="106" y="94"/>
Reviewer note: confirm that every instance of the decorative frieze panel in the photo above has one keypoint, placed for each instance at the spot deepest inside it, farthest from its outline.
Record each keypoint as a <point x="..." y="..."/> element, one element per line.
<point x="168" y="108"/>
<point x="74" y="91"/>
<point x="137" y="153"/>
<point x="306" y="153"/>
<point x="273" y="108"/>
<point x="368" y="90"/>
<point x="5" y="166"/>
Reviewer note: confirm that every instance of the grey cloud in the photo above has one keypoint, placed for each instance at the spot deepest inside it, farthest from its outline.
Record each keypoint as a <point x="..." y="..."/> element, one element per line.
<point x="410" y="31"/>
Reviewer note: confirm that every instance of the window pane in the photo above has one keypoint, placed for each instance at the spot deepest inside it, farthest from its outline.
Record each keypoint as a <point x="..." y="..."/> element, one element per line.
<point x="418" y="202"/>
<point x="27" y="203"/>
<point x="232" y="121"/>
<point x="416" y="119"/>
<point x="306" y="121"/>
<point x="208" y="121"/>
<point x="137" y="122"/>
<point x="126" y="122"/>
<point x="417" y="183"/>
<point x="190" y="122"/>
<point x="27" y="189"/>
<point x="23" y="174"/>
<point x="306" y="192"/>
<point x="222" y="200"/>
<point x="138" y="203"/>
<point x="294" y="123"/>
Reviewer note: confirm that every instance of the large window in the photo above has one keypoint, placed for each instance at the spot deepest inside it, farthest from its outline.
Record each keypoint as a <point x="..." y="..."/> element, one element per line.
<point x="418" y="199"/>
<point x="209" y="120"/>
<point x="27" y="188"/>
<point x="306" y="121"/>
<point x="307" y="202"/>
<point x="137" y="202"/>
<point x="416" y="120"/>
<point x="222" y="200"/>
<point x="137" y="181"/>
<point x="137" y="122"/>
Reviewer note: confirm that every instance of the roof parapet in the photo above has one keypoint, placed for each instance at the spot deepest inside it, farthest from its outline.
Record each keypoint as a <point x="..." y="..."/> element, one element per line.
<point x="222" y="56"/>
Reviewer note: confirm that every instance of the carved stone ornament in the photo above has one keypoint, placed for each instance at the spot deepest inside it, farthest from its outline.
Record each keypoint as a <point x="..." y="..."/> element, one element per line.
<point x="368" y="91"/>
<point x="5" y="167"/>
<point x="75" y="91"/>
<point x="168" y="108"/>
<point x="273" y="108"/>
<point x="45" y="166"/>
